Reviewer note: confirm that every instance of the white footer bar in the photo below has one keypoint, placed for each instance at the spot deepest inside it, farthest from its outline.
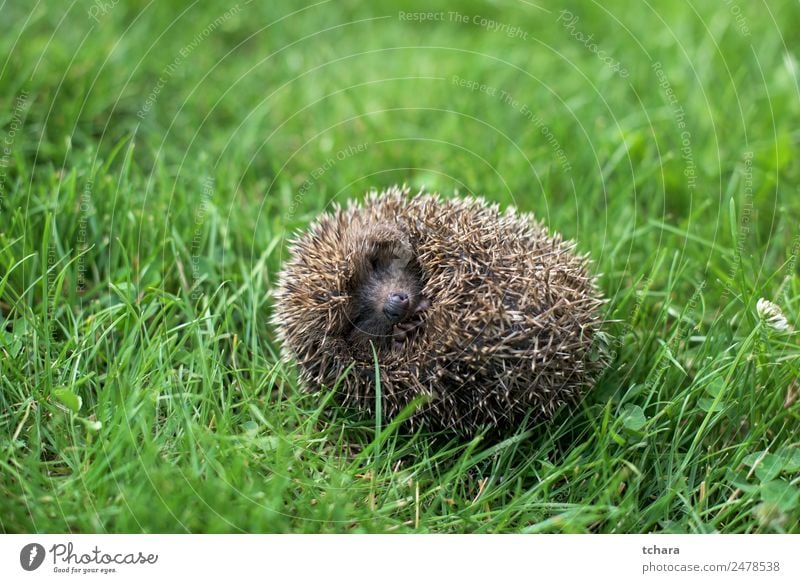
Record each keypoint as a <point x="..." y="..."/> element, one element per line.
<point x="400" y="558"/>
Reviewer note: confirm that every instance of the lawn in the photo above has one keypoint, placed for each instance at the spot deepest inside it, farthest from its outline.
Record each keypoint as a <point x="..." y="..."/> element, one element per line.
<point x="156" y="157"/>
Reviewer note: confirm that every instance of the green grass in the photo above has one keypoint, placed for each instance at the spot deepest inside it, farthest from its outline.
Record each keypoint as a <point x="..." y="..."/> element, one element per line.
<point x="145" y="208"/>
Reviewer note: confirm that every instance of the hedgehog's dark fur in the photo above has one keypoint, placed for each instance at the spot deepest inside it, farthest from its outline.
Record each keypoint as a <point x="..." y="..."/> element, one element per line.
<point x="387" y="296"/>
<point x="501" y="321"/>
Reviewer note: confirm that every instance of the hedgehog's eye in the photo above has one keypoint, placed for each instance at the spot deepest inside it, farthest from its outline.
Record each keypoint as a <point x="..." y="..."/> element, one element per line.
<point x="379" y="262"/>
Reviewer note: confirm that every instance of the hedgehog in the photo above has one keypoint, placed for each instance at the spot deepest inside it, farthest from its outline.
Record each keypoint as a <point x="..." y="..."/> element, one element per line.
<point x="467" y="317"/>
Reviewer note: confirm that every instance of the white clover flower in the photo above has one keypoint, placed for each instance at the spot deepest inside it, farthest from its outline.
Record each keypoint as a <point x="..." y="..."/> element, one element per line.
<point x="772" y="315"/>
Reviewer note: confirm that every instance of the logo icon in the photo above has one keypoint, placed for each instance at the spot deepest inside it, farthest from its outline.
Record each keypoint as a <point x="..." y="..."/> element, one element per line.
<point x="31" y="556"/>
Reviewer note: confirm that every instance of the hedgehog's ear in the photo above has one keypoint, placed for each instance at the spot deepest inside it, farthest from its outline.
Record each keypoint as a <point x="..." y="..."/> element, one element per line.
<point x="403" y="250"/>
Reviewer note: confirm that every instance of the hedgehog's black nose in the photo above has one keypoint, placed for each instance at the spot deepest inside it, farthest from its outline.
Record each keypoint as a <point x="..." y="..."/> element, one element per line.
<point x="396" y="306"/>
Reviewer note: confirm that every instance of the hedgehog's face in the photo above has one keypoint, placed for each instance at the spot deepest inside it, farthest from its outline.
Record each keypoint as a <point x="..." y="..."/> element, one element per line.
<point x="387" y="293"/>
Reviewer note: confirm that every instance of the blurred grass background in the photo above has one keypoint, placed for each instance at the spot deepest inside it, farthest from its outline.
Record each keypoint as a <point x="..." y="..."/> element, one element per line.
<point x="155" y="157"/>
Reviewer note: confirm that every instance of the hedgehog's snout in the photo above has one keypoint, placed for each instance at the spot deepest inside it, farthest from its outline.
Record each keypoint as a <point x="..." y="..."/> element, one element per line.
<point x="397" y="306"/>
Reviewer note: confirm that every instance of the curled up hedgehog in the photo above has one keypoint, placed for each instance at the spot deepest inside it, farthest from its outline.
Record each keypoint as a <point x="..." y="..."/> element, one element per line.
<point x="476" y="316"/>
